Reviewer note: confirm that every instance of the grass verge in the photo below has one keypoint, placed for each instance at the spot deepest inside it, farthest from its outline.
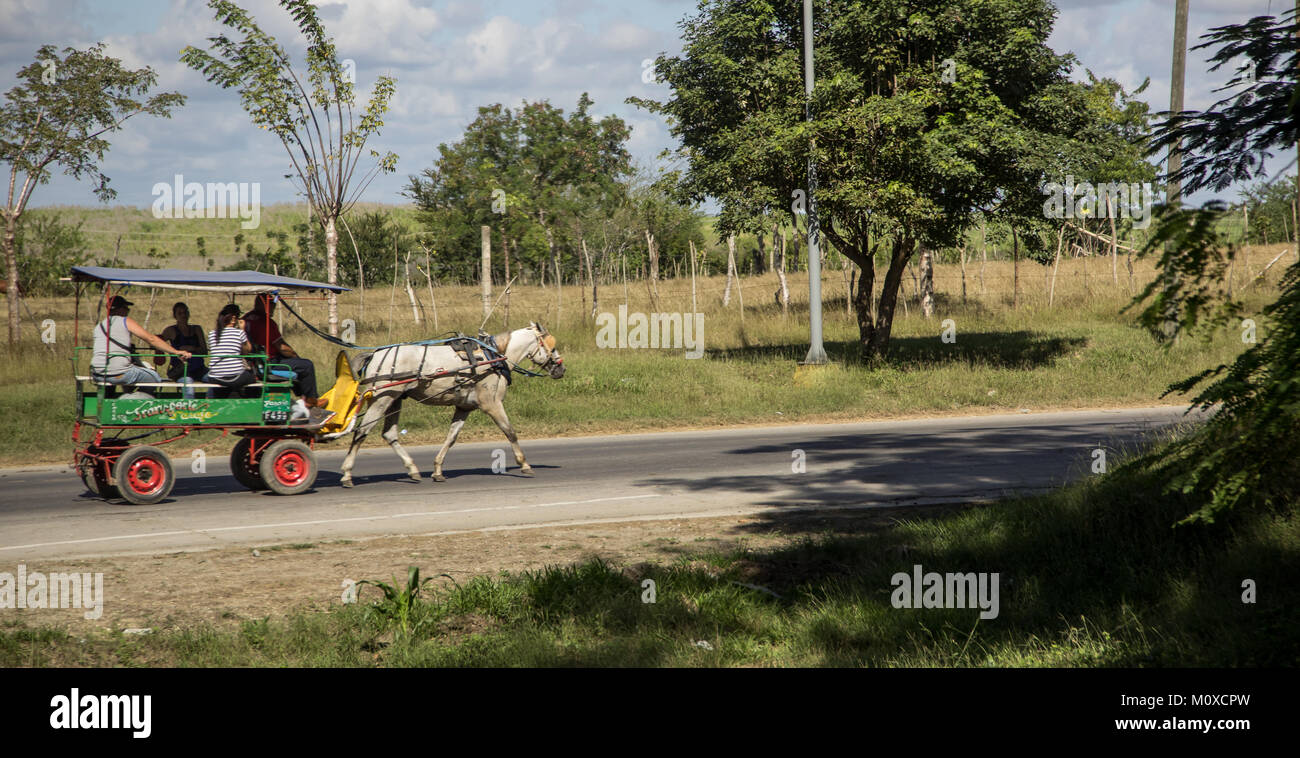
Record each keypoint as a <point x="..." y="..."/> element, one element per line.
<point x="1092" y="575"/>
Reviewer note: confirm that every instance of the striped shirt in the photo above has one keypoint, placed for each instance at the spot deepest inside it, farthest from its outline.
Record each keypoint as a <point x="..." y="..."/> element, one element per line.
<point x="229" y="343"/>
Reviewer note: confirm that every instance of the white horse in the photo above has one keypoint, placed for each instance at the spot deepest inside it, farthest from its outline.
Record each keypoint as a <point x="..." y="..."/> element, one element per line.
<point x="438" y="375"/>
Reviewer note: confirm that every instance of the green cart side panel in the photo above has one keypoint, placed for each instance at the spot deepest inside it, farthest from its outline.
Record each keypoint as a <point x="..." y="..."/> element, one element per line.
<point x="271" y="409"/>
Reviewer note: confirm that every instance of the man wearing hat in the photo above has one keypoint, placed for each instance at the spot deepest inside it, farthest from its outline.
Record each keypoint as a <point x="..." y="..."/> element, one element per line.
<point x="112" y="362"/>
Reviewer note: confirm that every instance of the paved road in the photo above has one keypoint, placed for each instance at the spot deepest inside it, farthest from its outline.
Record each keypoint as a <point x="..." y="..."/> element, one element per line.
<point x="45" y="512"/>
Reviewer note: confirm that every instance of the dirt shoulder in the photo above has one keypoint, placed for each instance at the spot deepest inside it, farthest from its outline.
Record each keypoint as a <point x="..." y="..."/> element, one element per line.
<point x="224" y="587"/>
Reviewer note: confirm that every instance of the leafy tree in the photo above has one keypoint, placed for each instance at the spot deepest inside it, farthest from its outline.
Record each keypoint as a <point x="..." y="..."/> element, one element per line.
<point x="49" y="249"/>
<point x="1269" y="206"/>
<point x="528" y="172"/>
<point x="313" y="119"/>
<point x="1247" y="453"/>
<point x="377" y="236"/>
<point x="925" y="111"/>
<point x="59" y="114"/>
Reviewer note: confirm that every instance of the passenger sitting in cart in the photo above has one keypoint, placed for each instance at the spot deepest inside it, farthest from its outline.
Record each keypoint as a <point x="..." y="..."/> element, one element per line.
<point x="228" y="342"/>
<point x="264" y="333"/>
<point x="185" y="336"/>
<point x="112" y="362"/>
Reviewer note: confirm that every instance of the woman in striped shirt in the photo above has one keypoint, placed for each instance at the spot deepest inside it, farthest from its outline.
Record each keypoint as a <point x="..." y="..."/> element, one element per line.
<point x="225" y="343"/>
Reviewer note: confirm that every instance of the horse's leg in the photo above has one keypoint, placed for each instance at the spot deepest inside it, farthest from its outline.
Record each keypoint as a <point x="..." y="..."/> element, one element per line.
<point x="497" y="411"/>
<point x="393" y="437"/>
<point x="375" y="412"/>
<point x="457" y="421"/>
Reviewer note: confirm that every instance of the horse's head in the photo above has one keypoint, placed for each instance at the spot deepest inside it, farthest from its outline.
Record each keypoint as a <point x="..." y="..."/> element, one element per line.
<point x="542" y="351"/>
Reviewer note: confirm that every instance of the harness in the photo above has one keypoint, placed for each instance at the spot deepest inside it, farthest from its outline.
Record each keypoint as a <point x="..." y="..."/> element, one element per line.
<point x="465" y="347"/>
<point x="487" y="342"/>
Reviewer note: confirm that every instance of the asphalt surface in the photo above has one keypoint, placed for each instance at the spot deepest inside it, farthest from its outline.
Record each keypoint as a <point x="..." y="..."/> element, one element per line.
<point x="46" y="512"/>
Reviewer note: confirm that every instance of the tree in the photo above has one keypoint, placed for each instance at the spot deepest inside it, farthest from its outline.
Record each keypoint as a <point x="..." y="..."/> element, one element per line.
<point x="59" y="114"/>
<point x="529" y="173"/>
<point x="317" y="126"/>
<point x="50" y="248"/>
<point x="925" y="111"/>
<point x="1246" y="454"/>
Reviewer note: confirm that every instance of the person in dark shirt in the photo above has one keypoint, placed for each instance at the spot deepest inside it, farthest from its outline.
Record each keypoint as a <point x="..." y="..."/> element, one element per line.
<point x="187" y="336"/>
<point x="264" y="333"/>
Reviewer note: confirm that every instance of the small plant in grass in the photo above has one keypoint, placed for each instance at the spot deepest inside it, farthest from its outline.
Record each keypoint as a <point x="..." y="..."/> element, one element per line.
<point x="398" y="602"/>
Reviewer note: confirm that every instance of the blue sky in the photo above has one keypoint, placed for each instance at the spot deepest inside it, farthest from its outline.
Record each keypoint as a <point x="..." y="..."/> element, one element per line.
<point x="450" y="57"/>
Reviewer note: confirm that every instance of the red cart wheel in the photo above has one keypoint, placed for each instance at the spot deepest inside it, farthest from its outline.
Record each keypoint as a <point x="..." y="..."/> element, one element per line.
<point x="288" y="467"/>
<point x="144" y="475"/>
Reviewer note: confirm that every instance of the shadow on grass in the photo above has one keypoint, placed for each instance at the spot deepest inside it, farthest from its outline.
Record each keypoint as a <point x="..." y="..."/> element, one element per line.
<point x="1017" y="350"/>
<point x="1090" y="576"/>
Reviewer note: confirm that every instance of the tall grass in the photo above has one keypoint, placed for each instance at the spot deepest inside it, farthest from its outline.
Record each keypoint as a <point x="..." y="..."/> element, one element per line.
<point x="1077" y="352"/>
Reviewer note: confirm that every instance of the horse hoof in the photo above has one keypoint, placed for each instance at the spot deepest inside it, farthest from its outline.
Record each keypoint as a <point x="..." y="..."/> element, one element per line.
<point x="438" y="478"/>
<point x="526" y="472"/>
<point x="414" y="477"/>
<point x="347" y="483"/>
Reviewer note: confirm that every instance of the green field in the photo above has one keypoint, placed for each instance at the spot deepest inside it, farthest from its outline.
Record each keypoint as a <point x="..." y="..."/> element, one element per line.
<point x="1080" y="352"/>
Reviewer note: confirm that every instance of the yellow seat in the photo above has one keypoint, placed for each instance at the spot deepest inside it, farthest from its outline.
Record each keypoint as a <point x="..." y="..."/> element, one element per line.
<point x="342" y="398"/>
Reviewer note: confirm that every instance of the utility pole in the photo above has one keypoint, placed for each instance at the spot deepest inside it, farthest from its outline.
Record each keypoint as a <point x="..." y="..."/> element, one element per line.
<point x="816" y="352"/>
<point x="1174" y="190"/>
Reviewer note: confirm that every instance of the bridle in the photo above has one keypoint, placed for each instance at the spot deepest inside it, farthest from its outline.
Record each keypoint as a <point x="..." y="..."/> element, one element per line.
<point x="551" y="358"/>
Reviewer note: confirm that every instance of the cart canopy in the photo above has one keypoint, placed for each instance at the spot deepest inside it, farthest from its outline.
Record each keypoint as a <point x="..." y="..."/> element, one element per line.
<point x="251" y="282"/>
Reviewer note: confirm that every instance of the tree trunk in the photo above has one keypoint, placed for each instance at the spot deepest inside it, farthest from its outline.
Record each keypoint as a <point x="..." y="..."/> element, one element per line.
<point x="392" y="293"/>
<point x="889" y="298"/>
<point x="848" y="281"/>
<point x="1051" y="293"/>
<point x="591" y="274"/>
<point x="691" y="244"/>
<point x="332" y="272"/>
<point x="428" y="279"/>
<point x="11" y="270"/>
<point x="927" y="282"/>
<point x="731" y="269"/>
<point x="652" y="250"/>
<point x="505" y="248"/>
<point x="485" y="269"/>
<point x="878" y="343"/>
<point x="1114" y="240"/>
<point x="410" y="291"/>
<point x="555" y="258"/>
<point x="784" y="293"/>
<point x="862" y="300"/>
<point x="962" y="255"/>
<point x="1015" y="269"/>
<point x="984" y="254"/>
